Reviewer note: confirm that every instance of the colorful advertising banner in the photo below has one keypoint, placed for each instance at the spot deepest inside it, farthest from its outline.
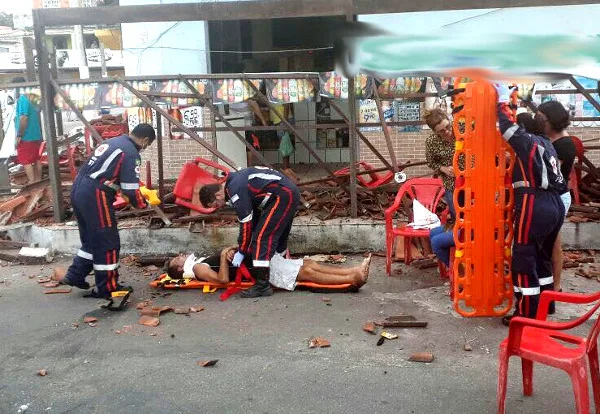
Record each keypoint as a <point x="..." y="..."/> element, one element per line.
<point x="282" y="91"/>
<point x="225" y="91"/>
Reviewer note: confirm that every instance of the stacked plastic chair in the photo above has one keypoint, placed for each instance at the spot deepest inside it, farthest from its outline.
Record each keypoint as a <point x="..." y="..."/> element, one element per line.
<point x="483" y="232"/>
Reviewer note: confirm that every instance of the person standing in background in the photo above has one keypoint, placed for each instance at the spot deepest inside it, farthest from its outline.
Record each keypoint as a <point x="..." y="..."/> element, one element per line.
<point x="28" y="133"/>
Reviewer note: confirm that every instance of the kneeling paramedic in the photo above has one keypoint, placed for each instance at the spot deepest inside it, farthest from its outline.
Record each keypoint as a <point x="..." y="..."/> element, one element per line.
<point x="115" y="165"/>
<point x="265" y="202"/>
<point x="539" y="210"/>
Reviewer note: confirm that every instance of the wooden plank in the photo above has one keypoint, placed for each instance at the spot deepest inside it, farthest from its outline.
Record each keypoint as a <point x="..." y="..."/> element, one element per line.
<point x="205" y="11"/>
<point x="386" y="132"/>
<point x="177" y="123"/>
<point x="9" y="244"/>
<point x="217" y="114"/>
<point x="267" y="9"/>
<point x="77" y="112"/>
<point x="49" y="127"/>
<point x="585" y="93"/>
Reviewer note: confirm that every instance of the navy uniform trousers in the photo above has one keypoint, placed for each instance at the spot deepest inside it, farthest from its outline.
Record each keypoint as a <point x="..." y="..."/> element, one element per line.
<point x="539" y="216"/>
<point x="100" y="243"/>
<point x="271" y="226"/>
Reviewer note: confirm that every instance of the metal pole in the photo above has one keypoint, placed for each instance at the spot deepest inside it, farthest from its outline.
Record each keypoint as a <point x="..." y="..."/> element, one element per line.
<point x="353" y="147"/>
<point x="585" y="93"/>
<point x="360" y="135"/>
<point x="48" y="120"/>
<point x="221" y="118"/>
<point x="386" y="132"/>
<point x="159" y="149"/>
<point x="103" y="72"/>
<point x="77" y="112"/>
<point x="285" y="121"/>
<point x="177" y="123"/>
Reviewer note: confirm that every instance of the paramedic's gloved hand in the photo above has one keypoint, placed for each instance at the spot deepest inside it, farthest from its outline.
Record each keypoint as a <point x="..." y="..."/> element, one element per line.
<point x="503" y="92"/>
<point x="150" y="195"/>
<point x="238" y="258"/>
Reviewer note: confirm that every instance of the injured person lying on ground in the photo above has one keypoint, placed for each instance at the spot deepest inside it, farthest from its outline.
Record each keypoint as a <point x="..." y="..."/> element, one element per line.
<point x="285" y="273"/>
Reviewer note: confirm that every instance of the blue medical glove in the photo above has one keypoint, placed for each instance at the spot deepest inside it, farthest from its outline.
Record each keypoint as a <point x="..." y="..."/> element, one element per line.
<point x="503" y="92"/>
<point x="238" y="258"/>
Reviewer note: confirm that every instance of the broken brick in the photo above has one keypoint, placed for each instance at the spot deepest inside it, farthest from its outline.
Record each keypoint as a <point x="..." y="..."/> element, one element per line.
<point x="44" y="279"/>
<point x="12" y="203"/>
<point x="60" y="290"/>
<point x="90" y="319"/>
<point x="195" y="309"/>
<point x="51" y="284"/>
<point x="318" y="342"/>
<point x="208" y="362"/>
<point x="42" y="372"/>
<point x="155" y="311"/>
<point x="181" y="311"/>
<point x="370" y="328"/>
<point x="149" y="321"/>
<point x="326" y="300"/>
<point x="143" y="304"/>
<point x="421" y="357"/>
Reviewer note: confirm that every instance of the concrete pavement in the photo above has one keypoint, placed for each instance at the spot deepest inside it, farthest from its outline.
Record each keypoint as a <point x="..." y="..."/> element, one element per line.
<point x="264" y="363"/>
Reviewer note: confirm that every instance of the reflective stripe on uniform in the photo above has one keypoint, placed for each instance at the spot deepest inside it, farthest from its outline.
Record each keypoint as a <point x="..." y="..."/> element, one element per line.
<point x="264" y="202"/>
<point x="130" y="186"/>
<point x="544" y="184"/>
<point x="532" y="291"/>
<point x="510" y="132"/>
<point x="112" y="185"/>
<point x="546" y="280"/>
<point x="264" y="176"/>
<point x="106" y="267"/>
<point x="85" y="255"/>
<point x="260" y="263"/>
<point x="246" y="219"/>
<point x="107" y="163"/>
<point x="520" y="184"/>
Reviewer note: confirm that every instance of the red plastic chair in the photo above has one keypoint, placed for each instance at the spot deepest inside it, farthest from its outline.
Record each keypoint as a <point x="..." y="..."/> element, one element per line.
<point x="429" y="192"/>
<point x="374" y="179"/>
<point x="66" y="160"/>
<point x="190" y="175"/>
<point x="538" y="340"/>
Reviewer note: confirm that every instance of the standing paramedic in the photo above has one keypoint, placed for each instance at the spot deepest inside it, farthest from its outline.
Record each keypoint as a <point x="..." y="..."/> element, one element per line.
<point x="28" y="134"/>
<point x="115" y="165"/>
<point x="539" y="210"/>
<point x="265" y="202"/>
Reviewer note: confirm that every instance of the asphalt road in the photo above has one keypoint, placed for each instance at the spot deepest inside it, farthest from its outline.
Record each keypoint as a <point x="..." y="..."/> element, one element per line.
<point x="265" y="365"/>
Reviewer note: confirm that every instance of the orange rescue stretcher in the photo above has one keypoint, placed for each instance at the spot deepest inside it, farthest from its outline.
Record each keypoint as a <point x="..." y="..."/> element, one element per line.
<point x="165" y="282"/>
<point x="483" y="232"/>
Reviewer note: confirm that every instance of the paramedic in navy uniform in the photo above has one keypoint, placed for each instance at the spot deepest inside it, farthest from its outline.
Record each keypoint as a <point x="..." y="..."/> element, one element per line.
<point x="115" y="165"/>
<point x="265" y="202"/>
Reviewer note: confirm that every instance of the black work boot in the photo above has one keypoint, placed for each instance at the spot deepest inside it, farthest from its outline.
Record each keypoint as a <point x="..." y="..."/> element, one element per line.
<point x="262" y="287"/>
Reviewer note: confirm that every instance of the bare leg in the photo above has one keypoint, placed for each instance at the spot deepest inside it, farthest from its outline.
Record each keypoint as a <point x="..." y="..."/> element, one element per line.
<point x="557" y="263"/>
<point x="38" y="170"/>
<point x="30" y="172"/>
<point x="330" y="275"/>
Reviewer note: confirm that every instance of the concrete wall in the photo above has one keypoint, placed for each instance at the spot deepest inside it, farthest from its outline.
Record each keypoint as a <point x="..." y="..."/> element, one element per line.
<point x="307" y="237"/>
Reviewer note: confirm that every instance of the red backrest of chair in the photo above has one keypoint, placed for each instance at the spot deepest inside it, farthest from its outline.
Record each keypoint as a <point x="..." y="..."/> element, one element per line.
<point x="428" y="191"/>
<point x="192" y="173"/>
<point x="593" y="334"/>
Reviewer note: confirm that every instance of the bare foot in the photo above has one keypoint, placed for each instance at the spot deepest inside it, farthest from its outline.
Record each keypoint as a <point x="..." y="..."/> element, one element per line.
<point x="58" y="274"/>
<point x="363" y="273"/>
